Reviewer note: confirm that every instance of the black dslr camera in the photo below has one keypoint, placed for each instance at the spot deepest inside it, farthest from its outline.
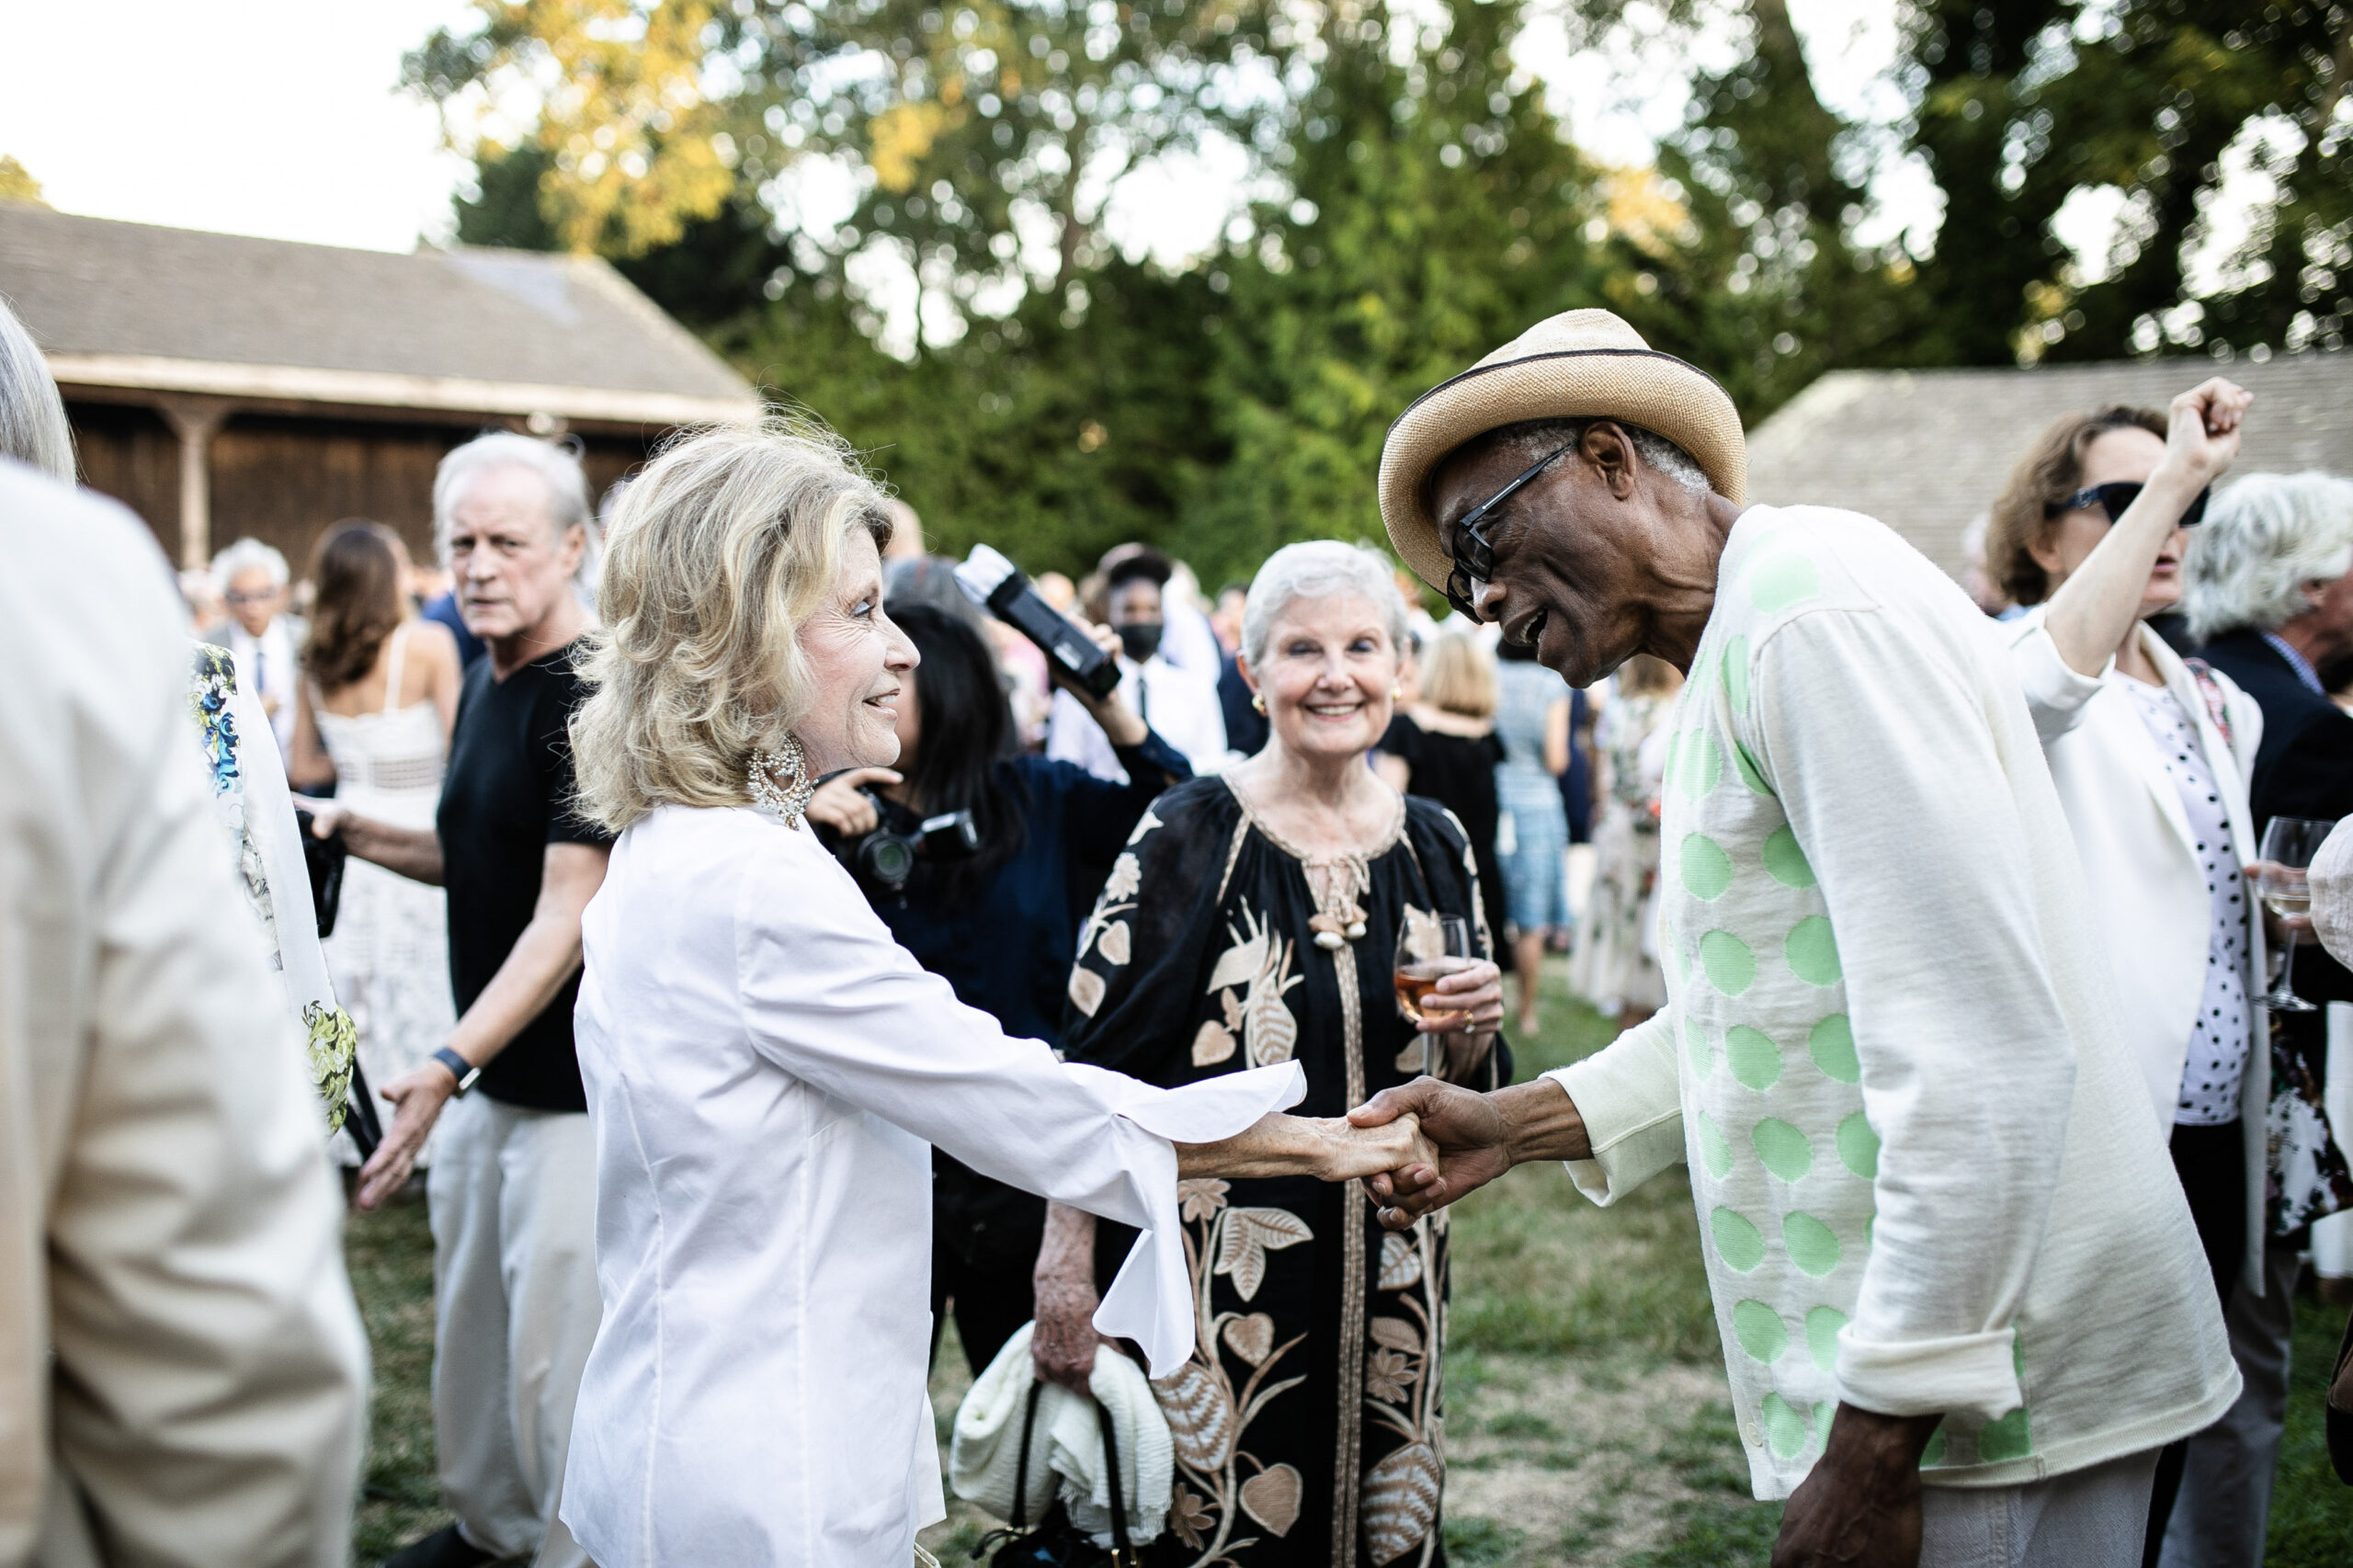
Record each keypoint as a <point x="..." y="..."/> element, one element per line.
<point x="883" y="860"/>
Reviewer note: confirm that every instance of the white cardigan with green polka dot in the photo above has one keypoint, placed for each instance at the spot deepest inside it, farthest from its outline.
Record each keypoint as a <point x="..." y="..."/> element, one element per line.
<point x="1925" y="1174"/>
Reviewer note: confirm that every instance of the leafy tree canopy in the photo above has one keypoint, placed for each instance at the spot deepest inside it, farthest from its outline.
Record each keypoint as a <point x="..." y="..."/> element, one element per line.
<point x="1406" y="200"/>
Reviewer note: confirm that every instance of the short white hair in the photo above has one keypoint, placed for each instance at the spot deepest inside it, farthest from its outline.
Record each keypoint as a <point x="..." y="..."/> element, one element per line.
<point x="557" y="465"/>
<point x="33" y="428"/>
<point x="246" y="555"/>
<point x="1532" y="439"/>
<point x="1313" y="570"/>
<point x="2264" y="539"/>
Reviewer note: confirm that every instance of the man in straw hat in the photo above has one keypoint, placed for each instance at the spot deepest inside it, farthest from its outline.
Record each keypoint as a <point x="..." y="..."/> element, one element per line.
<point x="1961" y="1298"/>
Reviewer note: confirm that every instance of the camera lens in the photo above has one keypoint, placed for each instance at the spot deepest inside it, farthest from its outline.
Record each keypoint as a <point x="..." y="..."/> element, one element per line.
<point x="887" y="860"/>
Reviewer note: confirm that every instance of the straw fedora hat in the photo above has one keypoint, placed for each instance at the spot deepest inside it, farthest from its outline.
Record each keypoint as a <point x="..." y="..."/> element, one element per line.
<point x="1577" y="365"/>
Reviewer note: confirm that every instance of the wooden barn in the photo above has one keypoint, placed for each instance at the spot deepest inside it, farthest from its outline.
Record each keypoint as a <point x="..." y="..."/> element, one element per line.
<point x="1925" y="451"/>
<point x="222" y="386"/>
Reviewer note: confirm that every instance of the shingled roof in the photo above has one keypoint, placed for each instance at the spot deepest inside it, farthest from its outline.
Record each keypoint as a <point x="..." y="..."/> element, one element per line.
<point x="1925" y="451"/>
<point x="464" y="330"/>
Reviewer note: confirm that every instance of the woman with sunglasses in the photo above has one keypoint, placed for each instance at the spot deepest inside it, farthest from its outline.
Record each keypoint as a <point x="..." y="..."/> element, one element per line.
<point x="2151" y="757"/>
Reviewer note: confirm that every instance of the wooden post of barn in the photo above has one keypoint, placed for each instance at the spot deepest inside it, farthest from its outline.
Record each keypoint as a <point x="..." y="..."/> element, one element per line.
<point x="195" y="420"/>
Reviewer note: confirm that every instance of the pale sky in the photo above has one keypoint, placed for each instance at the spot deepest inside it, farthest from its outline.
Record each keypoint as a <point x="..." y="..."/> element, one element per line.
<point x="283" y="118"/>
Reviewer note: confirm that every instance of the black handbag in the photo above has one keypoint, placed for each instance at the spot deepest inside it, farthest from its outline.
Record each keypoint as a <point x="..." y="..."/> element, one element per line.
<point x="1057" y="1542"/>
<point x="324" y="860"/>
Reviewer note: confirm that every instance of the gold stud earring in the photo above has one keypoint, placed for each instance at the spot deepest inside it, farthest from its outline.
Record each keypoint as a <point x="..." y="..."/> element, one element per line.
<point x="1258" y="701"/>
<point x="1397" y="693"/>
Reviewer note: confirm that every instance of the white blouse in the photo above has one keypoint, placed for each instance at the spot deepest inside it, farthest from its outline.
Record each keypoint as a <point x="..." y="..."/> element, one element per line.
<point x="2219" y="1037"/>
<point x="766" y="1072"/>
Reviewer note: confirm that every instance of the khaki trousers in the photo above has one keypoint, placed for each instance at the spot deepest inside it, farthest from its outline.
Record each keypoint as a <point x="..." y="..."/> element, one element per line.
<point x="513" y="1200"/>
<point x="2086" y="1518"/>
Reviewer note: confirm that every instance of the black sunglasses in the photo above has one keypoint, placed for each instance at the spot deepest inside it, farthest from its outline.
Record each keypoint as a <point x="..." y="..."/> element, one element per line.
<point x="2115" y="497"/>
<point x="1475" y="557"/>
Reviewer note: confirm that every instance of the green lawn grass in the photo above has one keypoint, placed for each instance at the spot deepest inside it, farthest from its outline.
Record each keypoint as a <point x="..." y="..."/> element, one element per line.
<point x="1546" y="1287"/>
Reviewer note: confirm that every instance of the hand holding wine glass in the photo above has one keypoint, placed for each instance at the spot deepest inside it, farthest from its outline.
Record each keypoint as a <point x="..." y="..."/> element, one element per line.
<point x="2280" y="880"/>
<point x="1444" y="990"/>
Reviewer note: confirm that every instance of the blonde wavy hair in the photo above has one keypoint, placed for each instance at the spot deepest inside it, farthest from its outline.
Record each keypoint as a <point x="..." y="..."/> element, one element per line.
<point x="718" y="550"/>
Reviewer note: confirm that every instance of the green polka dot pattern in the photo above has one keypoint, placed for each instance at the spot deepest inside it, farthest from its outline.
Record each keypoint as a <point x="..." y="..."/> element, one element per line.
<point x="2008" y="1438"/>
<point x="1702" y="766"/>
<point x="1707" y="870"/>
<point x="1740" y="1244"/>
<point x="1753" y="1057"/>
<point x="1784" y="1428"/>
<point x="1858" y="1146"/>
<point x="1785" y="861"/>
<point x="1812" y="1244"/>
<point x="1812" y="951"/>
<point x="1822" y="1411"/>
<point x="1737" y="672"/>
<point x="1750" y="774"/>
<point x="1760" y="1331"/>
<point x="1695" y="1045"/>
<point x="1783" y="1149"/>
<point x="1822" y="1326"/>
<point x="1731" y="965"/>
<point x="1777" y="583"/>
<point x="1934" y="1454"/>
<point x="1832" y="1045"/>
<point x="1716" y="1150"/>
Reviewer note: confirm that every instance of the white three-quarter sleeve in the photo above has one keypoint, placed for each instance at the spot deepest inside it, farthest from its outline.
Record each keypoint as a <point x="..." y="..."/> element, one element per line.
<point x="828" y="997"/>
<point x="1631" y="1102"/>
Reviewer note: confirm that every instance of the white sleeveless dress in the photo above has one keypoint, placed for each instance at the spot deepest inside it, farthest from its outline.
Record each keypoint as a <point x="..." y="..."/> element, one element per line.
<point x="389" y="954"/>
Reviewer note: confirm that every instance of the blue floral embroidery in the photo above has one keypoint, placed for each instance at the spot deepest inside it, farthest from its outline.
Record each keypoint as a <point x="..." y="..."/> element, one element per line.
<point x="208" y="702"/>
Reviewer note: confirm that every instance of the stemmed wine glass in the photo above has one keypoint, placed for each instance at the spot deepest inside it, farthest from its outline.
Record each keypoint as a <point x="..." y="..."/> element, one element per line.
<point x="2289" y="845"/>
<point x="1428" y="949"/>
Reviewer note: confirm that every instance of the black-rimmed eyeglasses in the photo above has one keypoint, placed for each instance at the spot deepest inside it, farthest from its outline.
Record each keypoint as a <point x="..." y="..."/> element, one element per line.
<point x="1474" y="555"/>
<point x="2113" y="498"/>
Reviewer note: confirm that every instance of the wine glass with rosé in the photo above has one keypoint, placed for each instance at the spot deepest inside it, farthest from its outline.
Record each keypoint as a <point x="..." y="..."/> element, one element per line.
<point x="1429" y="948"/>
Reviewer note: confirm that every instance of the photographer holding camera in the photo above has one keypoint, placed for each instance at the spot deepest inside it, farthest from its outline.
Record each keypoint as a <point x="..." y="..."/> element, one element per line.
<point x="984" y="862"/>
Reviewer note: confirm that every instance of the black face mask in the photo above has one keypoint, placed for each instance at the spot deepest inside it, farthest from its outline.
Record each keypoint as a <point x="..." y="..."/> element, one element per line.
<point x="1139" y="640"/>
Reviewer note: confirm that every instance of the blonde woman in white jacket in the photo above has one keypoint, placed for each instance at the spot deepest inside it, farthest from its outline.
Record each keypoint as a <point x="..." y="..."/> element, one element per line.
<point x="2151" y="757"/>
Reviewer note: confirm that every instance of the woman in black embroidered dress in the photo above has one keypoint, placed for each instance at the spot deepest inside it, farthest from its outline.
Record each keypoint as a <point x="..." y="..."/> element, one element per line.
<point x="1252" y="919"/>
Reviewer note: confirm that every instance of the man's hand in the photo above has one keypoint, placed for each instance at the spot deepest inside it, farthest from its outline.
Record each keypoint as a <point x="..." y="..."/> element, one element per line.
<point x="1469" y="1131"/>
<point x="417" y="1098"/>
<point x="1860" y="1506"/>
<point x="841" y="802"/>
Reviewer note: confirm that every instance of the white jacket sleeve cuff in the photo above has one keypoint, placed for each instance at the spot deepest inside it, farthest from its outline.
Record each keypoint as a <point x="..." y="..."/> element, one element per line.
<point x="1151" y="1301"/>
<point x="1970" y="1374"/>
<point x="2055" y="695"/>
<point x="1632" y="1108"/>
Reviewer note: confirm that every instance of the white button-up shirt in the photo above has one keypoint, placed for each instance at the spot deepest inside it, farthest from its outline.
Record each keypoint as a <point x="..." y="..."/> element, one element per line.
<point x="766" y="1071"/>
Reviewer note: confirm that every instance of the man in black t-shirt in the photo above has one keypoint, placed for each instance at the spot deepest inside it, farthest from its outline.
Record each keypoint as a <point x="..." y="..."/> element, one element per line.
<point x="513" y="1186"/>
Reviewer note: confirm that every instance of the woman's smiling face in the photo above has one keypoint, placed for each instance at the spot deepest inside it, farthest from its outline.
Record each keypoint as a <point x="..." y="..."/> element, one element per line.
<point x="1327" y="673"/>
<point x="858" y="663"/>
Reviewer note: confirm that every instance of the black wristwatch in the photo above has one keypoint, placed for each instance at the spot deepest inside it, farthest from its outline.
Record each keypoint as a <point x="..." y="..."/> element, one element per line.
<point x="460" y="1068"/>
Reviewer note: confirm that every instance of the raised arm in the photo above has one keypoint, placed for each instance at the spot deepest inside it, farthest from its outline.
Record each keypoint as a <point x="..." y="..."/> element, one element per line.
<point x="2098" y="603"/>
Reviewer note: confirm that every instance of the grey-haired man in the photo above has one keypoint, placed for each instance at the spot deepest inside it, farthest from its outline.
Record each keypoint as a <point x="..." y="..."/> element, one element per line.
<point x="513" y="1185"/>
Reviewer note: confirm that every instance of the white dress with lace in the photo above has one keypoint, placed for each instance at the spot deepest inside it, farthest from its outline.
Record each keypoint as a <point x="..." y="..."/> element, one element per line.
<point x="390" y="955"/>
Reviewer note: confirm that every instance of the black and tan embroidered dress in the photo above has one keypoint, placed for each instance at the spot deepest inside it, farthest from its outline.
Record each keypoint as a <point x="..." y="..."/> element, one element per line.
<point x="1307" y="1425"/>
